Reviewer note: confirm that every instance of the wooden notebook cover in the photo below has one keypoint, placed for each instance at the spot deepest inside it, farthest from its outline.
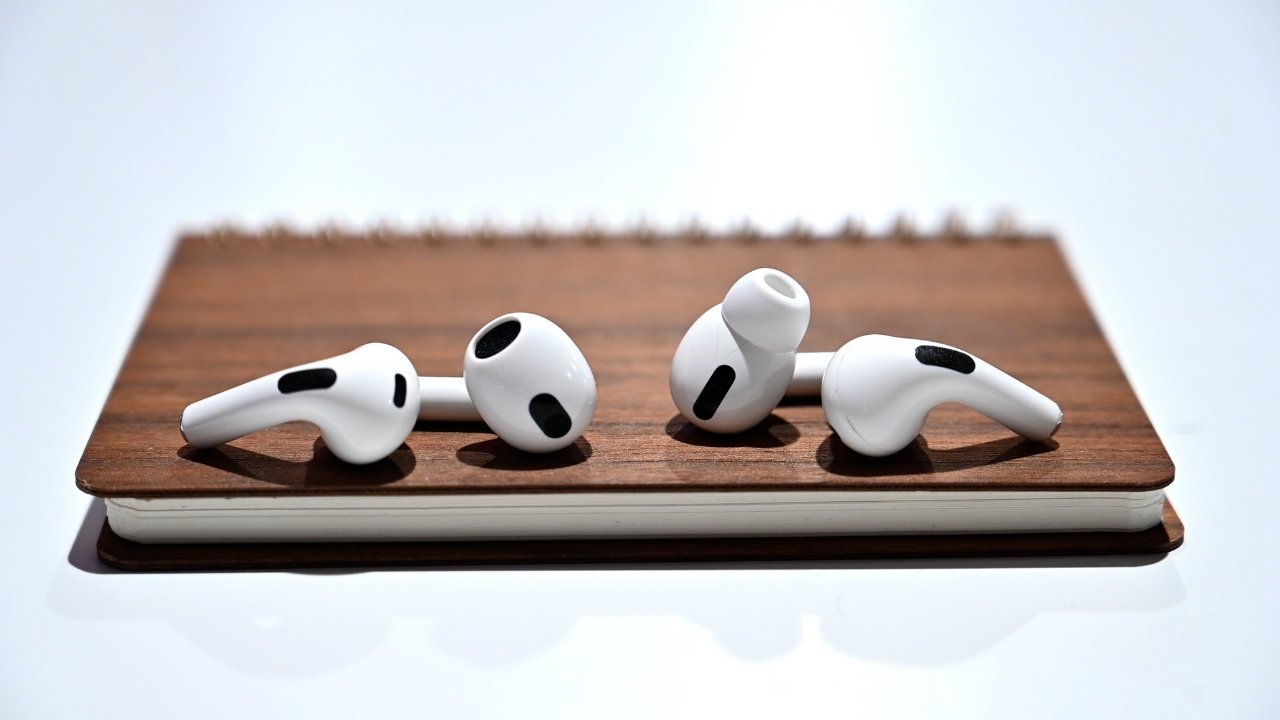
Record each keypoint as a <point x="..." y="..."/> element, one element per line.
<point x="233" y="306"/>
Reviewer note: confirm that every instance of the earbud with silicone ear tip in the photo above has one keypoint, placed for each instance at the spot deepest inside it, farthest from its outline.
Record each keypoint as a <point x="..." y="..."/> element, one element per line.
<point x="737" y="360"/>
<point x="365" y="403"/>
<point x="525" y="378"/>
<point x="877" y="391"/>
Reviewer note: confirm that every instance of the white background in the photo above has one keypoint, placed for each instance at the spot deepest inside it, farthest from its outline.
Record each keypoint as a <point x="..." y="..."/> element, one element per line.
<point x="1147" y="135"/>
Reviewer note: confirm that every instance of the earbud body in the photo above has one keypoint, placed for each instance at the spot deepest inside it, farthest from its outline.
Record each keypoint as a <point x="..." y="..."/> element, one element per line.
<point x="529" y="382"/>
<point x="877" y="391"/>
<point x="364" y="402"/>
<point x="723" y="383"/>
<point x="736" y="361"/>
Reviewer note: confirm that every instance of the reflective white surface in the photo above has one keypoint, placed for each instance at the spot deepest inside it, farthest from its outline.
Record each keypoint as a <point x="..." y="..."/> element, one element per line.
<point x="1143" y="133"/>
<point x="877" y="396"/>
<point x="446" y="399"/>
<point x="760" y="377"/>
<point x="356" y="414"/>
<point x="768" y="308"/>
<point x="541" y="360"/>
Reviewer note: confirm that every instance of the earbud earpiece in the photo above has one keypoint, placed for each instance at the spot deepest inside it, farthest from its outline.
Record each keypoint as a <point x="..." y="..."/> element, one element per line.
<point x="737" y="360"/>
<point x="525" y="378"/>
<point x="877" y="391"/>
<point x="365" y="403"/>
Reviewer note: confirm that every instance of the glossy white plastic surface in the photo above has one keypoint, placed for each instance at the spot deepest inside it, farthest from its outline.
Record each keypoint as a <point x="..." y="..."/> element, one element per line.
<point x="806" y="378"/>
<point x="541" y="360"/>
<point x="876" y="395"/>
<point x="446" y="399"/>
<point x="755" y="332"/>
<point x="356" y="415"/>
<point x="760" y="379"/>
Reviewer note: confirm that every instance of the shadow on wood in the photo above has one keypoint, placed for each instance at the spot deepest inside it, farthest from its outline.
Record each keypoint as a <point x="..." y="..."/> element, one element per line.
<point x="324" y="469"/>
<point x="771" y="432"/>
<point x="451" y="426"/>
<point x="919" y="459"/>
<point x="496" y="454"/>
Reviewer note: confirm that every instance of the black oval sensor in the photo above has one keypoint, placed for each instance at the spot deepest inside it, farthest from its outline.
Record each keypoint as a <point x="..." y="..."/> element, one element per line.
<point x="945" y="358"/>
<point x="401" y="392"/>
<point x="497" y="339"/>
<point x="549" y="415"/>
<point x="714" y="392"/>
<point x="313" y="379"/>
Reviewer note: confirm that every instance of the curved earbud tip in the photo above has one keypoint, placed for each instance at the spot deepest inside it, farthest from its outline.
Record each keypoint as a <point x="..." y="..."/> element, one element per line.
<point x="769" y="309"/>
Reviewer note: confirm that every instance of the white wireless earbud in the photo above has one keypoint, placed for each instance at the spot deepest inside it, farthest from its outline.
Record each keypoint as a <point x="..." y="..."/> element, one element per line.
<point x="877" y="391"/>
<point x="365" y="403"/>
<point x="737" y="360"/>
<point x="525" y="378"/>
<point x="522" y="376"/>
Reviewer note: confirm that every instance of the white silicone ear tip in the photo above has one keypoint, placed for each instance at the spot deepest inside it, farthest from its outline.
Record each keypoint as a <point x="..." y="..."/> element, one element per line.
<point x="768" y="309"/>
<point x="530" y="382"/>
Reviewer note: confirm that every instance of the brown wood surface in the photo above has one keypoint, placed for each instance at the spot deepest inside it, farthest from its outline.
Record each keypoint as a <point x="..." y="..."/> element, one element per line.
<point x="233" y="306"/>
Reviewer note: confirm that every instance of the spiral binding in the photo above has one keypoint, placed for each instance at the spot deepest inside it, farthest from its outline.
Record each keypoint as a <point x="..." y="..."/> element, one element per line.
<point x="954" y="228"/>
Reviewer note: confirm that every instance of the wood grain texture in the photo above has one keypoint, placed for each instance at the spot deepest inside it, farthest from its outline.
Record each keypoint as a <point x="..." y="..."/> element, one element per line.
<point x="234" y="306"/>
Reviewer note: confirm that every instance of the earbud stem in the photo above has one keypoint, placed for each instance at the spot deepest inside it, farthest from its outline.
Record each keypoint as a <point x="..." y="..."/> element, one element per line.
<point x="1011" y="403"/>
<point x="235" y="413"/>
<point x="446" y="399"/>
<point x="806" y="380"/>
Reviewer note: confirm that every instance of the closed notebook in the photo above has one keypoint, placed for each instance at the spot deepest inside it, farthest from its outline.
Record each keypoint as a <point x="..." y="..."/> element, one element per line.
<point x="642" y="483"/>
